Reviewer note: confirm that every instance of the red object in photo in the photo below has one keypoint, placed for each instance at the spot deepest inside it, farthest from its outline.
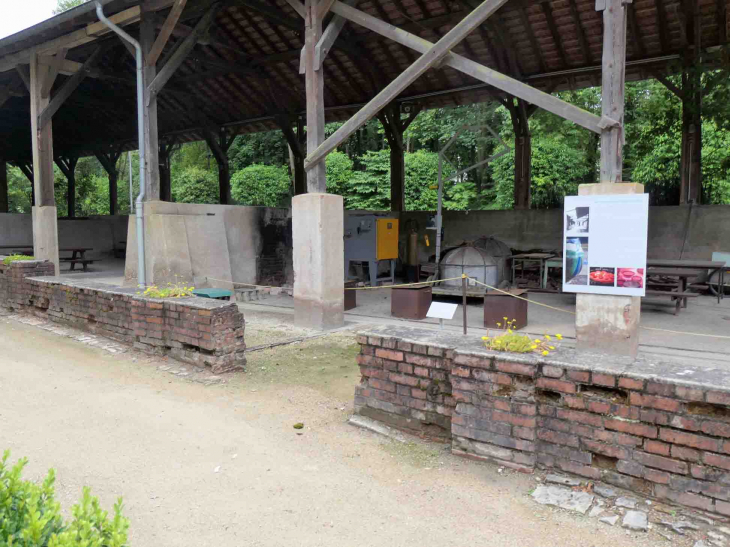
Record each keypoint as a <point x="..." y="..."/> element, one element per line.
<point x="603" y="277"/>
<point x="631" y="278"/>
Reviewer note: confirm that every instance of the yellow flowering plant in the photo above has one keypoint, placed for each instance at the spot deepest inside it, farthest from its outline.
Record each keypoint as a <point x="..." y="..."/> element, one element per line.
<point x="172" y="290"/>
<point x="509" y="340"/>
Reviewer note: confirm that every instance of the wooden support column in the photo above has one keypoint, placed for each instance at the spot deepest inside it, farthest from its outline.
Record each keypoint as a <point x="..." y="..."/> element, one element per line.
<point x="613" y="74"/>
<point x="147" y="41"/>
<point x="165" y="175"/>
<point x="297" y="150"/>
<point x="3" y="186"/>
<point x="45" y="222"/>
<point x="691" y="157"/>
<point x="394" y="127"/>
<point x="523" y="152"/>
<point x="316" y="179"/>
<point x="67" y="165"/>
<point x="109" y="161"/>
<point x="219" y="144"/>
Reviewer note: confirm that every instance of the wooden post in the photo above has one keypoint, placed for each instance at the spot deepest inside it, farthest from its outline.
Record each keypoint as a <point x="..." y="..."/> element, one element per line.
<point x="316" y="179"/>
<point x="691" y="155"/>
<point x="67" y="165"/>
<point x="109" y="161"/>
<point x="45" y="222"/>
<point x="612" y="91"/>
<point x="523" y="153"/>
<point x="152" y="162"/>
<point x="219" y="144"/>
<point x="165" y="179"/>
<point x="300" y="176"/>
<point x="390" y="119"/>
<point x="3" y="186"/>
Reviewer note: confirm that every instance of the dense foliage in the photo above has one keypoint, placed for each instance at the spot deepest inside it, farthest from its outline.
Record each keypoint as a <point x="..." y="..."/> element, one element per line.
<point x="30" y="516"/>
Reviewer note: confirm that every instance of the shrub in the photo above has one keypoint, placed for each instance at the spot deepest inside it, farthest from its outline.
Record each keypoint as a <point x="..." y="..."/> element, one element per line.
<point x="262" y="185"/>
<point x="31" y="517"/>
<point x="14" y="258"/>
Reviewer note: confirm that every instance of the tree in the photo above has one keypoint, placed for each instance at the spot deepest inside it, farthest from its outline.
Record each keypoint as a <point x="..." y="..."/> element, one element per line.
<point x="263" y="185"/>
<point x="65" y="5"/>
<point x="195" y="185"/>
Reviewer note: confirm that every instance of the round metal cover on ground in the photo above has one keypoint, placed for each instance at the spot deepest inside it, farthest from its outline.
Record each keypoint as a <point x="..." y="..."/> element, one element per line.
<point x="474" y="262"/>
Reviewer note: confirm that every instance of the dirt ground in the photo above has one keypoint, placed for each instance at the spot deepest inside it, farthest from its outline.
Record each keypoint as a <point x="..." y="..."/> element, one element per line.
<point x="221" y="465"/>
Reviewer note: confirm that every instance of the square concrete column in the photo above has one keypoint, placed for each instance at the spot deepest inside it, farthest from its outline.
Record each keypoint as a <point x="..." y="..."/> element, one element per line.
<point x="319" y="271"/>
<point x="45" y="234"/>
<point x="606" y="323"/>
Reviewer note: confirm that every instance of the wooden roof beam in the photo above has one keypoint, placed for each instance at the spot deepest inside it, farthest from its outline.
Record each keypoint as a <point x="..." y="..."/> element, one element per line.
<point x="585" y="47"/>
<point x="274" y="15"/>
<point x="433" y="54"/>
<point x="547" y="11"/>
<point x="477" y="71"/>
<point x="662" y="22"/>
<point x="325" y="43"/>
<point x="635" y="31"/>
<point x="164" y="35"/>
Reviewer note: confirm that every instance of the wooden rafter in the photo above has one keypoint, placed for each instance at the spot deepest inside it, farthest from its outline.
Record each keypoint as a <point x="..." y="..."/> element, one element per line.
<point x="584" y="46"/>
<point x="548" y="13"/>
<point x="167" y="28"/>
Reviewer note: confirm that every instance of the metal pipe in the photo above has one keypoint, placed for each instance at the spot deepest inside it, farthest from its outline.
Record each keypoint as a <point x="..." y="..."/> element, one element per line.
<point x="141" y="281"/>
<point x="131" y="188"/>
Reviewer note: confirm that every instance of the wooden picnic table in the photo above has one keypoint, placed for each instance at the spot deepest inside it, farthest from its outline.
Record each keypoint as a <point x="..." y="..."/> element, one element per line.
<point x="540" y="258"/>
<point x="657" y="264"/>
<point x="78" y="254"/>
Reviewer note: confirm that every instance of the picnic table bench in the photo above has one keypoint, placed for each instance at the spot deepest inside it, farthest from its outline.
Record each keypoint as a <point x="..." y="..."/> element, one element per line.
<point x="690" y="266"/>
<point x="77" y="254"/>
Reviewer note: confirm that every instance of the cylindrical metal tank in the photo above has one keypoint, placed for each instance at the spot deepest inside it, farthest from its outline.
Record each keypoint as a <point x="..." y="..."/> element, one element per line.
<point x="500" y="252"/>
<point x="472" y="261"/>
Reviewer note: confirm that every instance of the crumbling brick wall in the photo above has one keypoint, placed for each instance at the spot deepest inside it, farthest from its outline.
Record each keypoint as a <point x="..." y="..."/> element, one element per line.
<point x="646" y="429"/>
<point x="203" y="332"/>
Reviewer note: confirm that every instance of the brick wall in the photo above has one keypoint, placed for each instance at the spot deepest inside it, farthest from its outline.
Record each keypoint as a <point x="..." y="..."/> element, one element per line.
<point x="204" y="332"/>
<point x="642" y="426"/>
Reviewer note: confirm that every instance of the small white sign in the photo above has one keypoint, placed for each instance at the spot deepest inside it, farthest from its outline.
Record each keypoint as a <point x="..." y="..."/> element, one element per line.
<point x="442" y="310"/>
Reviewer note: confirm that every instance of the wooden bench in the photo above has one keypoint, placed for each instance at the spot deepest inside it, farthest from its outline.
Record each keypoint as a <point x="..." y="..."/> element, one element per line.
<point x="73" y="261"/>
<point x="680" y="297"/>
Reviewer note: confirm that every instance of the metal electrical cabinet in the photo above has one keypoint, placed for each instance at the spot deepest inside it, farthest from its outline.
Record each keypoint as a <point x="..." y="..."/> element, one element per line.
<point x="371" y="238"/>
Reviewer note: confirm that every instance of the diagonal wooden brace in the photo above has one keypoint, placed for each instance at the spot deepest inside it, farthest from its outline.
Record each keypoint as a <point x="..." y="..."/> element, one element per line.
<point x="480" y="72"/>
<point x="432" y="56"/>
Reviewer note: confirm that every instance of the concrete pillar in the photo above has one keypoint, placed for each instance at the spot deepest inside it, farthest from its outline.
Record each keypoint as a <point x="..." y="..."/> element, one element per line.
<point x="319" y="271"/>
<point x="45" y="221"/>
<point x="606" y="323"/>
<point x="3" y="186"/>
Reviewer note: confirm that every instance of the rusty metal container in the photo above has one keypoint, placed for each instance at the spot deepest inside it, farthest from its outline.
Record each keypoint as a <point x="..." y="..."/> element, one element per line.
<point x="350" y="296"/>
<point x="498" y="305"/>
<point x="410" y="302"/>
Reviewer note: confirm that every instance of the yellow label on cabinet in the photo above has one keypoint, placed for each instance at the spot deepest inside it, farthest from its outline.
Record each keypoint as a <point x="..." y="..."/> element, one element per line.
<point x="387" y="239"/>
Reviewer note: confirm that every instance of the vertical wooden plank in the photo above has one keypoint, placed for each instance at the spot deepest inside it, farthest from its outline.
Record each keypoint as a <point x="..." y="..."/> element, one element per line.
<point x="152" y="162"/>
<point x="71" y="199"/>
<point x="316" y="181"/>
<point x="113" y="192"/>
<point x="42" y="139"/>
<point x="3" y="186"/>
<point x="613" y="74"/>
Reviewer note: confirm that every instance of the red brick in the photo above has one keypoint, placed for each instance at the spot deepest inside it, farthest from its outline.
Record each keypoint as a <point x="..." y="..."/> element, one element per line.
<point x="717" y="429"/>
<point x="660" y="462"/>
<point x="625" y="411"/>
<point x="599" y="407"/>
<point x="722" y="507"/>
<point x="417" y="393"/>
<point x="610" y="450"/>
<point x="389" y="354"/>
<point x="684" y="498"/>
<point x="703" y="473"/>
<point x="526" y="433"/>
<point x="607" y="380"/>
<point x="660" y="477"/>
<point x="579" y="376"/>
<point x="526" y="409"/>
<point x="558" y="438"/>
<point x="657" y="447"/>
<point x="577" y="403"/>
<point x="683" y="422"/>
<point x="461" y="371"/>
<point x="405" y="368"/>
<point x="657" y="388"/>
<point x="516" y="368"/>
<point x="632" y="428"/>
<point x="628" y="440"/>
<point x="556" y="385"/>
<point x="404" y="346"/>
<point x="726" y="447"/>
<point x="630" y="468"/>
<point x="421" y="371"/>
<point x="552" y="372"/>
<point x="403" y="379"/>
<point x="435" y="352"/>
<point x="422" y="361"/>
<point x="688" y="439"/>
<point x="660" y="403"/>
<point x="716" y="460"/>
<point x="690" y="394"/>
<point x="718" y="398"/>
<point x="578" y="469"/>
<point x="580" y="417"/>
<point x="654" y="417"/>
<point x="382" y="385"/>
<point x="631" y="383"/>
<point x="513" y="419"/>
<point x="472" y="361"/>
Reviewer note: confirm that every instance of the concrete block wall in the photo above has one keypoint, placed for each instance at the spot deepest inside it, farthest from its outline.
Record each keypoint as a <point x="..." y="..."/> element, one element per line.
<point x="643" y="426"/>
<point x="203" y="332"/>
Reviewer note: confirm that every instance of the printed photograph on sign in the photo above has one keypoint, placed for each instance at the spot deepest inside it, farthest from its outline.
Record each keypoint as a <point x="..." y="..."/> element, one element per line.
<point x="577" y="220"/>
<point x="630" y="278"/>
<point x="603" y="277"/>
<point x="576" y="261"/>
